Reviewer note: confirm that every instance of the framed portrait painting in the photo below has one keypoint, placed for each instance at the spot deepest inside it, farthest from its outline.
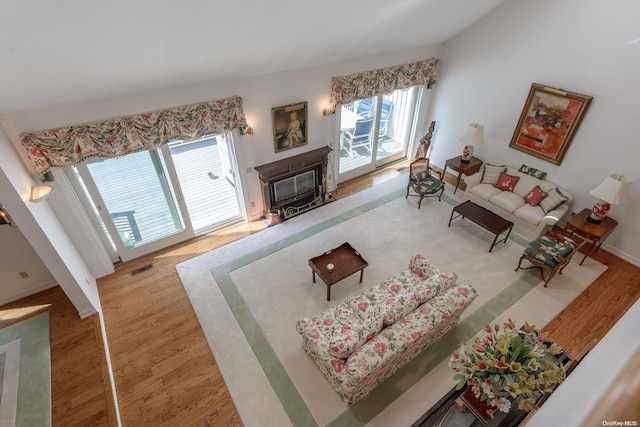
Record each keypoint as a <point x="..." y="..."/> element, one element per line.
<point x="548" y="122"/>
<point x="289" y="126"/>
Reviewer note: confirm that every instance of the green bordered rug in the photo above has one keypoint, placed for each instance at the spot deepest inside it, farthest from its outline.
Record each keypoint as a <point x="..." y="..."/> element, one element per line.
<point x="266" y="287"/>
<point x="25" y="373"/>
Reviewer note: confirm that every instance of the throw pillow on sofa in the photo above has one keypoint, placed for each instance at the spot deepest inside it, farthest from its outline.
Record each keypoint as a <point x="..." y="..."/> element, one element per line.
<point x="535" y="196"/>
<point x="491" y="173"/>
<point x="506" y="182"/>
<point x="349" y="341"/>
<point x="554" y="199"/>
<point x="419" y="265"/>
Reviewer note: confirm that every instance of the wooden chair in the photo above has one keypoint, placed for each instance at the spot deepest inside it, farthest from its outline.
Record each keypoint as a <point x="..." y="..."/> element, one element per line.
<point x="422" y="180"/>
<point x="550" y="253"/>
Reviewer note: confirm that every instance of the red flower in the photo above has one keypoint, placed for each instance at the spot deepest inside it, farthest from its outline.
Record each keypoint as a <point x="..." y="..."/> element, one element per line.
<point x="328" y="322"/>
<point x="463" y="291"/>
<point x="501" y="364"/>
<point x="345" y="328"/>
<point x="338" y="365"/>
<point x="482" y="366"/>
<point x="315" y="334"/>
<point x="380" y="348"/>
<point x="371" y="335"/>
<point x="395" y="288"/>
<point x="362" y="306"/>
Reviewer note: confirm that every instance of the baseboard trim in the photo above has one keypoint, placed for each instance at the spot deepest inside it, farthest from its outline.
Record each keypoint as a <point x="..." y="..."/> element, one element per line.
<point x="29" y="292"/>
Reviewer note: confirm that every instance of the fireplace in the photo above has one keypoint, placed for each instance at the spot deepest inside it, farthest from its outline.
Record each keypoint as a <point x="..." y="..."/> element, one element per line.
<point x="293" y="185"/>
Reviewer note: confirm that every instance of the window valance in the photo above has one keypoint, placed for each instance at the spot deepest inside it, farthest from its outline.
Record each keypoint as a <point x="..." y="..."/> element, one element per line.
<point x="346" y="89"/>
<point x="123" y="135"/>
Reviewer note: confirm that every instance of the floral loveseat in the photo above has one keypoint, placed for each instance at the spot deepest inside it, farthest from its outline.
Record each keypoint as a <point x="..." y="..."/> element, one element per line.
<point x="523" y="197"/>
<point x="361" y="342"/>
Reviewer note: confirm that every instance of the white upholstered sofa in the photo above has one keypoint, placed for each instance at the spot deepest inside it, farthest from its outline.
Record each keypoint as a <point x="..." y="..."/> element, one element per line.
<point x="361" y="342"/>
<point x="531" y="220"/>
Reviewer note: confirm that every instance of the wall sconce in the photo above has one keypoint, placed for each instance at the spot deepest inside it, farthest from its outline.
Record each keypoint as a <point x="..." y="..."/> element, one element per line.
<point x="5" y="218"/>
<point x="613" y="191"/>
<point x="472" y="137"/>
<point x="40" y="192"/>
<point x="329" y="109"/>
<point x="246" y="130"/>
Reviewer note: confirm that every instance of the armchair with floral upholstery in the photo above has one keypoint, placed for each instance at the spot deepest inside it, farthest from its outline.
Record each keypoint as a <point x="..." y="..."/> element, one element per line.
<point x="423" y="181"/>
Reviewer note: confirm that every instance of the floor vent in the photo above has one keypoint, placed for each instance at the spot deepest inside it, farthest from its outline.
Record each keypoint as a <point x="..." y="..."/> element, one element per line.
<point x="141" y="269"/>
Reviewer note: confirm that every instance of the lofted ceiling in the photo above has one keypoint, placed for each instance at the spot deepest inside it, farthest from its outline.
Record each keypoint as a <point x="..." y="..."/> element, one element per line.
<point x="67" y="51"/>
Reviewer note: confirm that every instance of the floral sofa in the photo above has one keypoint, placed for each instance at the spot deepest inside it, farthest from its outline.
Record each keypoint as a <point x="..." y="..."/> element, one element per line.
<point x="361" y="342"/>
<point x="521" y="196"/>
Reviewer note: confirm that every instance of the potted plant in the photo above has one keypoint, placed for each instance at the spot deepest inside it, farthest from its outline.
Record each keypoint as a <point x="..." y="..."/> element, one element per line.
<point x="509" y="363"/>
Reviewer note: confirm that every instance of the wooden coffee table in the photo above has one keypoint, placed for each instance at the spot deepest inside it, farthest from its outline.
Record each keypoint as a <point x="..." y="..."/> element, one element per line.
<point x="484" y="218"/>
<point x="345" y="260"/>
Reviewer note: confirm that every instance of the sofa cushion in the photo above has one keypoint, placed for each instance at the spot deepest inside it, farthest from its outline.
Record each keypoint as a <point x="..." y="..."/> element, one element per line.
<point x="484" y="191"/>
<point x="491" y="173"/>
<point x="534" y="196"/>
<point x="434" y="285"/>
<point x="530" y="214"/>
<point x="331" y="322"/>
<point x="345" y="343"/>
<point x="507" y="182"/>
<point x="421" y="266"/>
<point x="368" y="303"/>
<point x="554" y="199"/>
<point x="397" y="306"/>
<point x="402" y="283"/>
<point x="507" y="201"/>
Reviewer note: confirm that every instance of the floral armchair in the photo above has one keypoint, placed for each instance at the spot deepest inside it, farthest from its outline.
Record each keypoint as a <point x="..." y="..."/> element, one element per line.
<point x="423" y="181"/>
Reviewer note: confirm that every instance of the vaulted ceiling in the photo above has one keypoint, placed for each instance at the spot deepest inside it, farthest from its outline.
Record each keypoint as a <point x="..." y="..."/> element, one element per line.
<point x="66" y="51"/>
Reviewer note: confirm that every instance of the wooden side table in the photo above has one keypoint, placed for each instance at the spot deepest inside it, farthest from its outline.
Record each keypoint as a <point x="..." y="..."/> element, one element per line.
<point x="462" y="168"/>
<point x="592" y="232"/>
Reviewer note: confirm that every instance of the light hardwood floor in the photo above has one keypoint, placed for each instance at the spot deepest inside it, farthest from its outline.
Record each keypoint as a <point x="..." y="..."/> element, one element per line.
<point x="164" y="372"/>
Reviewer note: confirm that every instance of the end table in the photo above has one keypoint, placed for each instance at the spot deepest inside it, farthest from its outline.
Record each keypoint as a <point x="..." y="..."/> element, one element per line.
<point x="590" y="231"/>
<point x="462" y="168"/>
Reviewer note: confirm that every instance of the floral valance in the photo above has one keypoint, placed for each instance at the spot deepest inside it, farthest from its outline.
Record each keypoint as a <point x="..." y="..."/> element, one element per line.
<point x="116" y="137"/>
<point x="346" y="89"/>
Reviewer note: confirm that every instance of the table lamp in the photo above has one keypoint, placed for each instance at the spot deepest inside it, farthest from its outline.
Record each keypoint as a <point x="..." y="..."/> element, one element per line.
<point x="471" y="138"/>
<point x="613" y="191"/>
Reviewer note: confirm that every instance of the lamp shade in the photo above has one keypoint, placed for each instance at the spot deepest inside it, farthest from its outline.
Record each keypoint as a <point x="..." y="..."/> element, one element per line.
<point x="40" y="192"/>
<point x="613" y="190"/>
<point x="474" y="135"/>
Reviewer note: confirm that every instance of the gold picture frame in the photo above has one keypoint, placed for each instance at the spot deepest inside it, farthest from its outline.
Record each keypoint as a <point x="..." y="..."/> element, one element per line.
<point x="548" y="122"/>
<point x="289" y="126"/>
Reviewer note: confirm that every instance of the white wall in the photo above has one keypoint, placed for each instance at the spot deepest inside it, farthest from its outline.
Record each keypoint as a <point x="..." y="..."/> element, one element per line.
<point x="586" y="46"/>
<point x="260" y="94"/>
<point x="44" y="233"/>
<point x="17" y="255"/>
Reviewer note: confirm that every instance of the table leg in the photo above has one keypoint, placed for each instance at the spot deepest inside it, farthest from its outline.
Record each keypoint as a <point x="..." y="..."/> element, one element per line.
<point x="457" y="182"/>
<point x="361" y="275"/>
<point x="328" y="293"/>
<point x="313" y="275"/>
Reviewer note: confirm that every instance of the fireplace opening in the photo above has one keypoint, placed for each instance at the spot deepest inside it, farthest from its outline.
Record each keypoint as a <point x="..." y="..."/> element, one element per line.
<point x="293" y="188"/>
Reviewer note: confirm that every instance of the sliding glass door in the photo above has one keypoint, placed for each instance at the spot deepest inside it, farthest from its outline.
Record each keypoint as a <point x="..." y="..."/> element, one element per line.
<point x="375" y="131"/>
<point x="149" y="200"/>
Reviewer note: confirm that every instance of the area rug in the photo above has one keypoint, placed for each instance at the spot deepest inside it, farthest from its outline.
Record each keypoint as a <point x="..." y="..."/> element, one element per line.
<point x="249" y="294"/>
<point x="25" y="373"/>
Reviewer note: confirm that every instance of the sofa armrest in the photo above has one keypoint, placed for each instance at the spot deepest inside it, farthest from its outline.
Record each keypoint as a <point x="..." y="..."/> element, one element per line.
<point x="471" y="181"/>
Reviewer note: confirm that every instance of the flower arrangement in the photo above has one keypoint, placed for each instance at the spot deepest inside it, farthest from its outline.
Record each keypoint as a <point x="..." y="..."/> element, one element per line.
<point x="513" y="363"/>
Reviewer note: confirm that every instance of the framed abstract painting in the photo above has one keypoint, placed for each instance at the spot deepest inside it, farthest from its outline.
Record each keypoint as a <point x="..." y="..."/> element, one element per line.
<point x="548" y="122"/>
